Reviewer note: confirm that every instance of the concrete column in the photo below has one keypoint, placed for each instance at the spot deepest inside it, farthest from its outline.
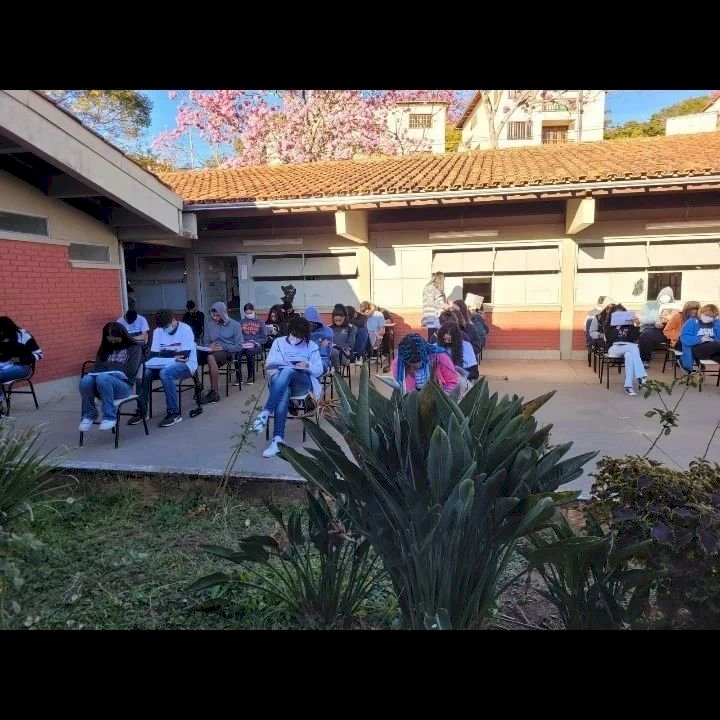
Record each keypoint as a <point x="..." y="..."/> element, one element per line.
<point x="567" y="297"/>
<point x="364" y="266"/>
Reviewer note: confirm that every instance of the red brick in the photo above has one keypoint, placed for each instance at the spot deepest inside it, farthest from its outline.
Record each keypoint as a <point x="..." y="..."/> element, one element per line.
<point x="63" y="307"/>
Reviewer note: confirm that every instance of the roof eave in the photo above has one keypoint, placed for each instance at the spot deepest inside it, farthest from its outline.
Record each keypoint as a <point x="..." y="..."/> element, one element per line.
<point x="350" y="200"/>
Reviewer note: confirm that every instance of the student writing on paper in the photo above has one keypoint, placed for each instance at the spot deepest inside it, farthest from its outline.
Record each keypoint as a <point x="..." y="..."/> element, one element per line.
<point x="293" y="367"/>
<point x="417" y="361"/>
<point x="174" y="340"/>
<point x="254" y="338"/>
<point x="224" y="337"/>
<point x="112" y="377"/>
<point x="700" y="337"/>
<point x="621" y="342"/>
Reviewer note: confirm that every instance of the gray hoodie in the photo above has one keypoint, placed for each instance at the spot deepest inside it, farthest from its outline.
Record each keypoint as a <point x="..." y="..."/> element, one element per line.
<point x="650" y="312"/>
<point x="229" y="334"/>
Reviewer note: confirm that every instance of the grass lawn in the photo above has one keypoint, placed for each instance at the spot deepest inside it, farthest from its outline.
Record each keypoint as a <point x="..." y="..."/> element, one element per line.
<point x="121" y="558"/>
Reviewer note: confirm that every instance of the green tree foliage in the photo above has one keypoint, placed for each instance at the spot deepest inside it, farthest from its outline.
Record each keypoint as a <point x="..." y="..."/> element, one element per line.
<point x="656" y="124"/>
<point x="120" y="116"/>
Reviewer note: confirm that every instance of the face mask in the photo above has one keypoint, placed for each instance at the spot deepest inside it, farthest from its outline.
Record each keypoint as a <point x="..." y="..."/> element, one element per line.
<point x="293" y="340"/>
<point x="664" y="299"/>
<point x="250" y="315"/>
<point x="706" y="318"/>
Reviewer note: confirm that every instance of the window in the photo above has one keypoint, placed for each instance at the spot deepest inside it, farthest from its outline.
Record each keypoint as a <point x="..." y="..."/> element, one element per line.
<point x="514" y="94"/>
<point x="19" y="223"/>
<point x="520" y="130"/>
<point x="89" y="253"/>
<point x="478" y="286"/>
<point x="657" y="281"/>
<point x="420" y="120"/>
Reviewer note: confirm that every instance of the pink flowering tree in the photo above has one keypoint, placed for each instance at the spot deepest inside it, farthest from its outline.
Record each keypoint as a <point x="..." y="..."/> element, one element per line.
<point x="246" y="127"/>
<point x="499" y="106"/>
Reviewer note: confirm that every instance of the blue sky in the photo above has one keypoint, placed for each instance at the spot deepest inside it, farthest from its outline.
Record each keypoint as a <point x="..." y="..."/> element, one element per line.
<point x="624" y="105"/>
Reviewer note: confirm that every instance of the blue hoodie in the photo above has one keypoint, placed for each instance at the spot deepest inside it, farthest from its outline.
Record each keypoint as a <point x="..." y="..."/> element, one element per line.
<point x="690" y="335"/>
<point x="321" y="335"/>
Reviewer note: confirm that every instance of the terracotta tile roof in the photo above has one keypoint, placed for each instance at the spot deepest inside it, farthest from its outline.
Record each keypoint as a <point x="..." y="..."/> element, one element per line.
<point x="627" y="159"/>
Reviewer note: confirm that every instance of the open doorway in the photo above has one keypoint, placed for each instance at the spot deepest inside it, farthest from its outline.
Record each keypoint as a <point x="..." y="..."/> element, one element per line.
<point x="218" y="275"/>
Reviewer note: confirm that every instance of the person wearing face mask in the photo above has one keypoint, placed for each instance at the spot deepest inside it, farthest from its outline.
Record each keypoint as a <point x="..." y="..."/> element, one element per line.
<point x="293" y="366"/>
<point x="112" y="377"/>
<point x="653" y="318"/>
<point x="254" y="338"/>
<point x="224" y="338"/>
<point x="174" y="342"/>
<point x="700" y="337"/>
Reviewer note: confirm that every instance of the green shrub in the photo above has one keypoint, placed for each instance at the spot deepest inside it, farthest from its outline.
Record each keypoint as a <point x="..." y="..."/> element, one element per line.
<point x="442" y="490"/>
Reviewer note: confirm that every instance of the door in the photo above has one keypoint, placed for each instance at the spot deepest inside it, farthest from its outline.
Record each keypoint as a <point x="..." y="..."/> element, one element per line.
<point x="212" y="286"/>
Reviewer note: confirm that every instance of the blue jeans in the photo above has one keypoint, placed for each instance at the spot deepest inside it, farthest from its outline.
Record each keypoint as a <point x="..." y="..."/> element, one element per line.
<point x="169" y="376"/>
<point x="15" y="372"/>
<point x="282" y="385"/>
<point x="109" y="388"/>
<point x="361" y="341"/>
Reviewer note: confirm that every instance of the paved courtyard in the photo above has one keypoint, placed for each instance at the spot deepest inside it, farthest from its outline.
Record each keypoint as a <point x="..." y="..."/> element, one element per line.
<point x="582" y="411"/>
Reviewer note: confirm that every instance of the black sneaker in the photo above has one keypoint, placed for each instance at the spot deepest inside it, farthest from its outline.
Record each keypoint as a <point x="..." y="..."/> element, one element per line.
<point x="211" y="396"/>
<point x="250" y="381"/>
<point x="136" y="419"/>
<point x="171" y="419"/>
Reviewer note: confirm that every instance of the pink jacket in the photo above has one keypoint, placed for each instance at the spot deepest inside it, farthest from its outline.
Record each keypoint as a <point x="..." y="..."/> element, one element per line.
<point x="442" y="369"/>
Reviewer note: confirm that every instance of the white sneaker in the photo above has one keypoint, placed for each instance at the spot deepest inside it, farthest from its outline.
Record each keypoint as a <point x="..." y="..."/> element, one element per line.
<point x="108" y="424"/>
<point x="85" y="425"/>
<point x="630" y="392"/>
<point x="261" y="422"/>
<point x="272" y="448"/>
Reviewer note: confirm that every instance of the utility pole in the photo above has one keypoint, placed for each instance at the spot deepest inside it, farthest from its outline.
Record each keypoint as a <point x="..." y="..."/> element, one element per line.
<point x="580" y="114"/>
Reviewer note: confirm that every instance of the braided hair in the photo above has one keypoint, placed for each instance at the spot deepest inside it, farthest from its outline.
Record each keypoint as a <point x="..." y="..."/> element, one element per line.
<point x="414" y="349"/>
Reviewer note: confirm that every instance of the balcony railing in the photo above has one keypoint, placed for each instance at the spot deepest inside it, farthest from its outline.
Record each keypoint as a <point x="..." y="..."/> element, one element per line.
<point x="566" y="106"/>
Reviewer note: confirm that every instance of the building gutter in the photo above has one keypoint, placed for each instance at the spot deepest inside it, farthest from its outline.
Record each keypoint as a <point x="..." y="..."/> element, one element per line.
<point x="349" y="200"/>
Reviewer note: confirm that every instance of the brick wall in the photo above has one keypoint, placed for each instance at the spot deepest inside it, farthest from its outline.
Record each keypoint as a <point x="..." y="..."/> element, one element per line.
<point x="63" y="307"/>
<point x="535" y="330"/>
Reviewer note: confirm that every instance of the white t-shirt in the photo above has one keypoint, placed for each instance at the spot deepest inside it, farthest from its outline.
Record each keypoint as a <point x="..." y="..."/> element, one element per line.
<point x="182" y="339"/>
<point x="375" y="323"/>
<point x="139" y="326"/>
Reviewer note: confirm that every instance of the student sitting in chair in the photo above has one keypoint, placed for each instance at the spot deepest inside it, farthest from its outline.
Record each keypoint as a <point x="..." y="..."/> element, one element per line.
<point x="293" y="366"/>
<point x="19" y="351"/>
<point x="172" y="357"/>
<point x="224" y="337"/>
<point x="112" y="377"/>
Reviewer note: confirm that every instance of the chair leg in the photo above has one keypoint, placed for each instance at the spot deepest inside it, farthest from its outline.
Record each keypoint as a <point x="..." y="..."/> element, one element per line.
<point x="32" y="390"/>
<point x="81" y="439"/>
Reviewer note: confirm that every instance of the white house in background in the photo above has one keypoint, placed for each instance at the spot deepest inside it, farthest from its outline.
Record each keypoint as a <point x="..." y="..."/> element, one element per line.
<point x="572" y="116"/>
<point x="706" y="121"/>
<point x="419" y="125"/>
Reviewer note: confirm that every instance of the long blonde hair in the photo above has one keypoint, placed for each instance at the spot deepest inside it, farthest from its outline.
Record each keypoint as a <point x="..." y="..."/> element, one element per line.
<point x="438" y="280"/>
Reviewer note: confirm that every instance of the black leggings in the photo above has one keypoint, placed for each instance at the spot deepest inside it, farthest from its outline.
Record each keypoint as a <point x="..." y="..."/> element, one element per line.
<point x="706" y="351"/>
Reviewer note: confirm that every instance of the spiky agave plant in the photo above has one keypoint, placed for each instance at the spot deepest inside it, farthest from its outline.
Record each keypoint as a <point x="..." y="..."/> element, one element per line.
<point x="443" y="490"/>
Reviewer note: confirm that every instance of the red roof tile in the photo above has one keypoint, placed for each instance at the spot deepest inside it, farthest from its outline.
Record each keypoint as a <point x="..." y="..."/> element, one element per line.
<point x="637" y="158"/>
